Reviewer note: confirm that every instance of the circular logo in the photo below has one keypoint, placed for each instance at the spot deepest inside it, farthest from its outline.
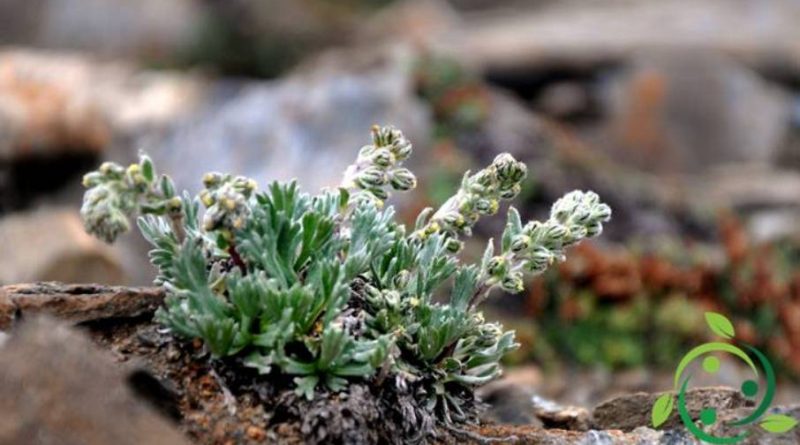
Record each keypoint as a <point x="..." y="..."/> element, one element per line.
<point x="708" y="353"/>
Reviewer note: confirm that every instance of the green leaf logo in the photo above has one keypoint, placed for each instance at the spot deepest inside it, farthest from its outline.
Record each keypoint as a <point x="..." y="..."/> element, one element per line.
<point x="662" y="409"/>
<point x="720" y="324"/>
<point x="778" y="423"/>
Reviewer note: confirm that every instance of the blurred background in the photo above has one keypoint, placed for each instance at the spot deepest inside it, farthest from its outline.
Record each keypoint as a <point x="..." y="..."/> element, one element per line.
<point x="684" y="115"/>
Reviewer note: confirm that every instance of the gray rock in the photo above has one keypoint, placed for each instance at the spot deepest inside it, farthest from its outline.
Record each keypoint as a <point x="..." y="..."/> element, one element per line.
<point x="766" y="197"/>
<point x="676" y="436"/>
<point x="644" y="206"/>
<point x="564" y="100"/>
<point x="581" y="36"/>
<point x="598" y="438"/>
<point x="757" y="435"/>
<point x="58" y="389"/>
<point x="553" y="415"/>
<point x="512" y="398"/>
<point x="308" y="126"/>
<point x="662" y="126"/>
<point x="508" y="404"/>
<point x="132" y="28"/>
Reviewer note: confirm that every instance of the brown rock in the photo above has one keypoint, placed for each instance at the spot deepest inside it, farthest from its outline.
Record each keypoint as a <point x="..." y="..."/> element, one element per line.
<point x="76" y="302"/>
<point x="51" y="245"/>
<point x="524" y="434"/>
<point x="39" y="114"/>
<point x="634" y="410"/>
<point x="60" y="103"/>
<point x="58" y="389"/>
<point x="7" y="310"/>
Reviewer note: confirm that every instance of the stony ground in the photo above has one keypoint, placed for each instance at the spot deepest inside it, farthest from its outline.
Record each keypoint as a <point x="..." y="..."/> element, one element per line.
<point x="169" y="391"/>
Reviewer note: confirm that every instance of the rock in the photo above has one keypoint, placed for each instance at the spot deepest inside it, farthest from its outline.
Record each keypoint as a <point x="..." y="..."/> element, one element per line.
<point x="757" y="435"/>
<point x="53" y="104"/>
<point x="510" y="398"/>
<point x="564" y="100"/>
<point x="419" y="22"/>
<point x="308" y="126"/>
<point x="656" y="117"/>
<point x="75" y="302"/>
<point x="41" y="114"/>
<point x="633" y="410"/>
<point x="264" y="39"/>
<point x="513" y="400"/>
<point x="132" y="28"/>
<point x="580" y="36"/>
<point x="774" y="225"/>
<point x="553" y="415"/>
<point x="51" y="244"/>
<point x="645" y="206"/>
<point x="753" y="186"/>
<point x="60" y="112"/>
<point x="765" y="197"/>
<point x="524" y="434"/>
<point x="508" y="404"/>
<point x="58" y="389"/>
<point x="8" y="311"/>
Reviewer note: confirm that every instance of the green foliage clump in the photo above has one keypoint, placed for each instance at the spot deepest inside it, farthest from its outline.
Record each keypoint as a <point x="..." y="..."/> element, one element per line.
<point x="330" y="289"/>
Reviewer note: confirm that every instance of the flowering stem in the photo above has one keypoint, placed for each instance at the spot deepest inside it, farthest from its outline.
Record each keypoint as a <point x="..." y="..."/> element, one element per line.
<point x="237" y="259"/>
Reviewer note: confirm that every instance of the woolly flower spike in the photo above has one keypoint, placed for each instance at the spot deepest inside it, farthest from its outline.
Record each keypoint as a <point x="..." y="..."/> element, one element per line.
<point x="535" y="246"/>
<point x="116" y="193"/>
<point x="480" y="194"/>
<point x="226" y="200"/>
<point x="380" y="165"/>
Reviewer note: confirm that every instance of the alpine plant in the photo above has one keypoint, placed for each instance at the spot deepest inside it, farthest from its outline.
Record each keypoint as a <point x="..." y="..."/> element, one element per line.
<point x="330" y="289"/>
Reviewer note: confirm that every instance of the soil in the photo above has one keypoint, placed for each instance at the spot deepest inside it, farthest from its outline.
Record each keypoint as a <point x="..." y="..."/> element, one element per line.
<point x="217" y="402"/>
<point x="206" y="409"/>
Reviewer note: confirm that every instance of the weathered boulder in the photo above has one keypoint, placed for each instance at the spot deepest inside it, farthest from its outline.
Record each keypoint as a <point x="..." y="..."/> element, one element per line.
<point x="58" y="389"/>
